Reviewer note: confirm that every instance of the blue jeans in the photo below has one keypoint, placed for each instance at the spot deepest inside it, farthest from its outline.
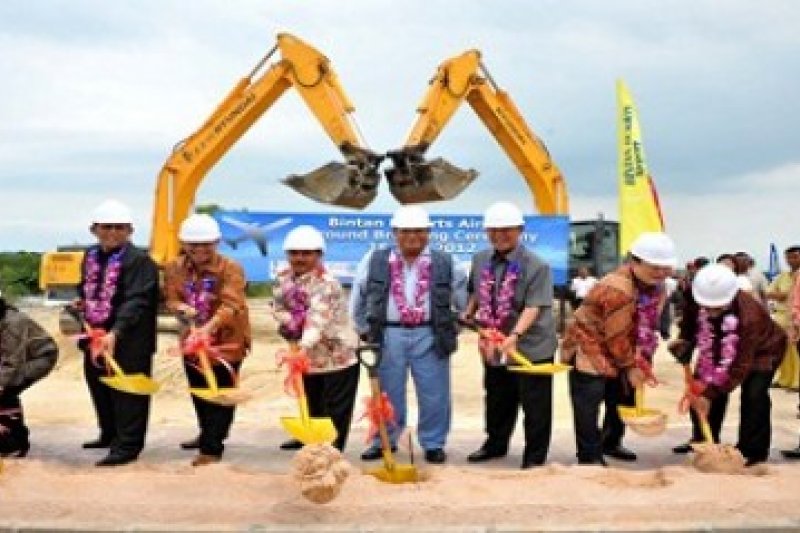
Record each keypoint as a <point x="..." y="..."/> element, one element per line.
<point x="412" y="349"/>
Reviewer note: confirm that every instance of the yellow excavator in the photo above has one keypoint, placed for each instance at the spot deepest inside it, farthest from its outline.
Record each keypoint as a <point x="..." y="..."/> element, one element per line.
<point x="464" y="77"/>
<point x="349" y="184"/>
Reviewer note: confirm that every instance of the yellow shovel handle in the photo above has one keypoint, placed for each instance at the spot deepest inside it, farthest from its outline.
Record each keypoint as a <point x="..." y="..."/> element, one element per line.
<point x="520" y="359"/>
<point x="639" y="400"/>
<point x="386" y="446"/>
<point x="302" y="400"/>
<point x="113" y="364"/>
<point x="208" y="372"/>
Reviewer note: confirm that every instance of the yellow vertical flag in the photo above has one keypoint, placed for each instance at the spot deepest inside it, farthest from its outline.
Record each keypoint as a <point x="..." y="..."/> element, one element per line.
<point x="639" y="208"/>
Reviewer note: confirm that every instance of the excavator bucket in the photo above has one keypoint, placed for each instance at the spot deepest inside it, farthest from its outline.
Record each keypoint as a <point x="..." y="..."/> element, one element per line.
<point x="350" y="184"/>
<point x="337" y="184"/>
<point x="415" y="180"/>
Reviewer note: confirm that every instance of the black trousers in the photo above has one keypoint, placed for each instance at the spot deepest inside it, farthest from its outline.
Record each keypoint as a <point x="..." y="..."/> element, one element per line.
<point x="15" y="436"/>
<point x="617" y="392"/>
<point x="505" y="392"/>
<point x="122" y="417"/>
<point x="333" y="395"/>
<point x="755" y="417"/>
<point x="213" y="419"/>
<point x="587" y="391"/>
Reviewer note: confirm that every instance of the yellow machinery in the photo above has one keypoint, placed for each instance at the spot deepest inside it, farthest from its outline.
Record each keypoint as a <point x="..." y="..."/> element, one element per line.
<point x="464" y="77"/>
<point x="59" y="275"/>
<point x="349" y="184"/>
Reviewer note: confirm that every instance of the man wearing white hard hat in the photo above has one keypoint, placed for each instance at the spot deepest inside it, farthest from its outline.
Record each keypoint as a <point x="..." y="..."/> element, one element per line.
<point x="407" y="299"/>
<point x="311" y="310"/>
<point x="208" y="289"/>
<point x="118" y="294"/>
<point x="611" y="340"/>
<point x="511" y="295"/>
<point x="736" y="343"/>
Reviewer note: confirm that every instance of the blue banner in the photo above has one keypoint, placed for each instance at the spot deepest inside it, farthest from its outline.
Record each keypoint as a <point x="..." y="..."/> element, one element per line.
<point x="255" y="239"/>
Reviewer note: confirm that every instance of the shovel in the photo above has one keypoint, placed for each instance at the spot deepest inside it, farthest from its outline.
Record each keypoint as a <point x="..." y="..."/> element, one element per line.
<point x="391" y="471"/>
<point x="131" y="383"/>
<point x="306" y="429"/>
<point x="227" y="396"/>
<point x="523" y="365"/>
<point x="643" y="420"/>
<point x="213" y="393"/>
<point x="705" y="428"/>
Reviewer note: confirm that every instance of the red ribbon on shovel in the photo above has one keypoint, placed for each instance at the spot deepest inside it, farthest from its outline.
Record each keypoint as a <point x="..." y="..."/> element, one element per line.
<point x="377" y="411"/>
<point x="95" y="338"/>
<point x="198" y="342"/>
<point x="297" y="363"/>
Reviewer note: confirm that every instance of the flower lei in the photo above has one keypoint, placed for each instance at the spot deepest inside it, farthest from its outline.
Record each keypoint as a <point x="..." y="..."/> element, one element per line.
<point x="296" y="300"/>
<point x="198" y="294"/>
<point x="646" y="324"/>
<point x="97" y="295"/>
<point x="708" y="371"/>
<point x="414" y="314"/>
<point x="495" y="316"/>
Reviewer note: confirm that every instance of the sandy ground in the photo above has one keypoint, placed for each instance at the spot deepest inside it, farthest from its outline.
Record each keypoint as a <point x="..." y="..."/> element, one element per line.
<point x="57" y="486"/>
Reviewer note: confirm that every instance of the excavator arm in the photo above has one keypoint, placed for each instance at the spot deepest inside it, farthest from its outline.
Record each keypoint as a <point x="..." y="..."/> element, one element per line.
<point x="414" y="179"/>
<point x="352" y="184"/>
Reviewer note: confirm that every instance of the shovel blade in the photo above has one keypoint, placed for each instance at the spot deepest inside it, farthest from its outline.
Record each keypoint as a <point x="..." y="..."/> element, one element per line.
<point x="428" y="181"/>
<point x="226" y="396"/>
<point x="397" y="474"/>
<point x="132" y="384"/>
<point x="541" y="368"/>
<point x="312" y="431"/>
<point x="647" y="422"/>
<point x="336" y="183"/>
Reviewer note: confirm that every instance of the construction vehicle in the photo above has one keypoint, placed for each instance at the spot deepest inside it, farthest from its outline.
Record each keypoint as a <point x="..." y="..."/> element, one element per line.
<point x="59" y="275"/>
<point x="464" y="77"/>
<point x="349" y="184"/>
<point x="415" y="179"/>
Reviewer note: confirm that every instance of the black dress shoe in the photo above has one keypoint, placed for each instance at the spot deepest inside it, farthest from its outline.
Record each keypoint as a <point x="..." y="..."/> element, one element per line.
<point x="116" y="459"/>
<point x="435" y="456"/>
<point x="794" y="453"/>
<point x="481" y="455"/>
<point x="96" y="444"/>
<point x="19" y="451"/>
<point x="373" y="454"/>
<point x="683" y="449"/>
<point x="620" y="452"/>
<point x="527" y="465"/>
<point x="291" y="444"/>
<point x="753" y="461"/>
<point x="193" y="444"/>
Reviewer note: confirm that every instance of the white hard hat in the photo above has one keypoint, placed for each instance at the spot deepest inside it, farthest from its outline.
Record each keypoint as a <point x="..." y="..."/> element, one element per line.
<point x="112" y="212"/>
<point x="715" y="286"/>
<point x="199" y="228"/>
<point x="655" y="248"/>
<point x="304" y="238"/>
<point x="503" y="215"/>
<point x="410" y="217"/>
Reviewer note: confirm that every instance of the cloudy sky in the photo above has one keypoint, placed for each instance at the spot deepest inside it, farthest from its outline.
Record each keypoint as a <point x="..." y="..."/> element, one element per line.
<point x="94" y="94"/>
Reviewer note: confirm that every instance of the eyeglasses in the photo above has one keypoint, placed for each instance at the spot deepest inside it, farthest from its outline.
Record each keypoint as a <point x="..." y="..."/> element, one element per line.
<point x="302" y="252"/>
<point x="109" y="227"/>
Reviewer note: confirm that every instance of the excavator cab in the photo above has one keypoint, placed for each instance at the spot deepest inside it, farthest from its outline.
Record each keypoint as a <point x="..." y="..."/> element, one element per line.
<point x="353" y="183"/>
<point x="413" y="179"/>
